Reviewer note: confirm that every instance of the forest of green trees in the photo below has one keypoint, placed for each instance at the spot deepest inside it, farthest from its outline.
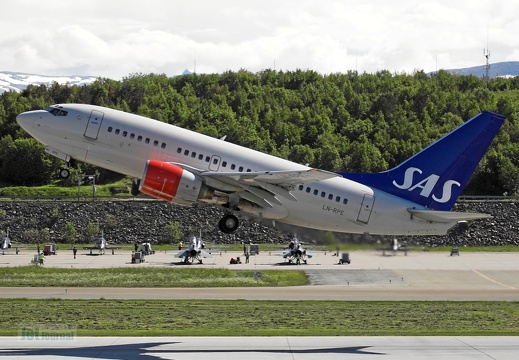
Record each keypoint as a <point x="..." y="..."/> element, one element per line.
<point x="338" y="122"/>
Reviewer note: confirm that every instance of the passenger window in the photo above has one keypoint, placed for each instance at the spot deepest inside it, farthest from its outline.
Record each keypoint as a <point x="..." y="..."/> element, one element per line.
<point x="117" y="131"/>
<point x="215" y="161"/>
<point x="139" y="138"/>
<point x="193" y="154"/>
<point x="207" y="159"/>
<point x="316" y="191"/>
<point x="224" y="163"/>
<point x="125" y="133"/>
<point x="345" y="201"/>
<point x="156" y="143"/>
<point x="338" y="199"/>
<point x="301" y="187"/>
<point x="240" y="169"/>
<point x="233" y="166"/>
<point x="132" y="136"/>
<point x="308" y="189"/>
<point x="323" y="194"/>
<point x="163" y="145"/>
<point x="186" y="152"/>
<point x="249" y="170"/>
<point x="330" y="197"/>
<point x="110" y="129"/>
<point x="200" y="157"/>
<point x="147" y="141"/>
<point x="179" y="150"/>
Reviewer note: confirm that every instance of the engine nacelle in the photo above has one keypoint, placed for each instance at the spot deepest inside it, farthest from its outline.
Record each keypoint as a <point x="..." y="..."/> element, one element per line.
<point x="166" y="181"/>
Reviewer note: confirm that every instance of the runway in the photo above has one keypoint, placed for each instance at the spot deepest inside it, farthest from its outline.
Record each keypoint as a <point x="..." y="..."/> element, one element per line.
<point x="261" y="348"/>
<point x="370" y="276"/>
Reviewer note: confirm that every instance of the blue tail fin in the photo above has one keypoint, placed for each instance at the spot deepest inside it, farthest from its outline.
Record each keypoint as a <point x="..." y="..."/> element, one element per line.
<point x="436" y="176"/>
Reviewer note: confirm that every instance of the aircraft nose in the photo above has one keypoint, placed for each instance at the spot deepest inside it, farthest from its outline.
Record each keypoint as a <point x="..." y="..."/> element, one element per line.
<point x="26" y="119"/>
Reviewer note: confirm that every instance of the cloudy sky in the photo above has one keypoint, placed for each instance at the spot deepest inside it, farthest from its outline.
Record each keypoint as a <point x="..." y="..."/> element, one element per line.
<point x="115" y="38"/>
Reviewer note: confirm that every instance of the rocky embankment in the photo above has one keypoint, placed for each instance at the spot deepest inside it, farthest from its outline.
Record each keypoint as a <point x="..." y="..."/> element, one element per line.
<point x="135" y="221"/>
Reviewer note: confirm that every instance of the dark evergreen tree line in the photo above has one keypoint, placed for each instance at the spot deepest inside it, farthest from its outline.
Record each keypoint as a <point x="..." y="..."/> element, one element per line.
<point x="337" y="122"/>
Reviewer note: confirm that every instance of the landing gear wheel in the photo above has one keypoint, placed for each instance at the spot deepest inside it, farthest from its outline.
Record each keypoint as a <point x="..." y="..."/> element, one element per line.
<point x="135" y="187"/>
<point x="228" y="224"/>
<point x="64" y="173"/>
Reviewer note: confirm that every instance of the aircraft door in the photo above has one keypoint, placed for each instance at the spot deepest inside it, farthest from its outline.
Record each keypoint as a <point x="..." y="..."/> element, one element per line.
<point x="214" y="164"/>
<point x="366" y="208"/>
<point x="94" y="124"/>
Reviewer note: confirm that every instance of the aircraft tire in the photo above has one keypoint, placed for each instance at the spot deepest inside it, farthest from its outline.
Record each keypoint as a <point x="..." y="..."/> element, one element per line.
<point x="228" y="224"/>
<point x="64" y="173"/>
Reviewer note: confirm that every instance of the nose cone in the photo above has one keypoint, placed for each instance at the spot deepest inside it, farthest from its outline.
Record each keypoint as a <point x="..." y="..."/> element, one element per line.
<point x="26" y="119"/>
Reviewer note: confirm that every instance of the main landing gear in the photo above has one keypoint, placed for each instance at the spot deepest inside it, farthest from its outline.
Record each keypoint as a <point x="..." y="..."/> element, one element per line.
<point x="64" y="173"/>
<point x="135" y="187"/>
<point x="228" y="224"/>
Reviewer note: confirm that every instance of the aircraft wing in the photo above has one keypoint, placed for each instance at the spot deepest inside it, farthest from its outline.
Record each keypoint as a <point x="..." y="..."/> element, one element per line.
<point x="181" y="254"/>
<point x="205" y="254"/>
<point x="280" y="178"/>
<point x="185" y="253"/>
<point x="108" y="246"/>
<point x="446" y="216"/>
<point x="13" y="248"/>
<point x="262" y="188"/>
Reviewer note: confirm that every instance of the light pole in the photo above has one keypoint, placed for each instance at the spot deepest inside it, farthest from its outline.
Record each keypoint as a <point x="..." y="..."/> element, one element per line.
<point x="89" y="177"/>
<point x="93" y="178"/>
<point x="78" y="186"/>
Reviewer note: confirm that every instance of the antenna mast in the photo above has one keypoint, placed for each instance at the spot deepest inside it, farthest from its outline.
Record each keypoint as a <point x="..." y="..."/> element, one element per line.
<point x="486" y="53"/>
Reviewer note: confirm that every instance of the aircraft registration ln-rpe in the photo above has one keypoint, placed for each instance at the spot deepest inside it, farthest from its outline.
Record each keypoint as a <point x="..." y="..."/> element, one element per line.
<point x="185" y="167"/>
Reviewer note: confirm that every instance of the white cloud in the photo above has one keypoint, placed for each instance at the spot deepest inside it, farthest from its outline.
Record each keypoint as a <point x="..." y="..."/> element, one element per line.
<point x="117" y="38"/>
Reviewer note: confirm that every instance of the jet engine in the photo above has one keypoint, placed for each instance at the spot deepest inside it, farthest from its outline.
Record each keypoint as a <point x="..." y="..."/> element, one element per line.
<point x="168" y="182"/>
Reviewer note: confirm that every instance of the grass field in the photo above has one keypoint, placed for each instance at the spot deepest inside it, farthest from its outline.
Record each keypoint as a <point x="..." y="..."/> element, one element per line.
<point x="149" y="277"/>
<point x="262" y="318"/>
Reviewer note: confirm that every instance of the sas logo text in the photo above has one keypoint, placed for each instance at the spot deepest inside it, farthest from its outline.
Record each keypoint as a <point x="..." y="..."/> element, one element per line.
<point x="426" y="185"/>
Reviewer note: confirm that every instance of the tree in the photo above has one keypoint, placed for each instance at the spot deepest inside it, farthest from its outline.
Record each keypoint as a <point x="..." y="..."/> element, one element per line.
<point x="173" y="230"/>
<point x="69" y="236"/>
<point x="91" y="232"/>
<point x="25" y="163"/>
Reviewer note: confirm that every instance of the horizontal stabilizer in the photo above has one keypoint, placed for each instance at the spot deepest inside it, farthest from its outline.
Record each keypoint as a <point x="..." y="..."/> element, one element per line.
<point x="446" y="216"/>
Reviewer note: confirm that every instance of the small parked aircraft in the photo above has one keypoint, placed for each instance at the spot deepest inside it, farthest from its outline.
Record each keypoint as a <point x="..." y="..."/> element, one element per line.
<point x="296" y="253"/>
<point x="195" y="251"/>
<point x="6" y="245"/>
<point x="101" y="245"/>
<point x="393" y="247"/>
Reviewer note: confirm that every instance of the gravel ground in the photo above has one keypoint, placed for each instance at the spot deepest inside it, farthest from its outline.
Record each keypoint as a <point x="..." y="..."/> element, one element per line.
<point x="135" y="221"/>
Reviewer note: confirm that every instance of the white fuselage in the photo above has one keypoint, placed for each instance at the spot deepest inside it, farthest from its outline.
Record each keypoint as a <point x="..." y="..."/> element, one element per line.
<point x="123" y="142"/>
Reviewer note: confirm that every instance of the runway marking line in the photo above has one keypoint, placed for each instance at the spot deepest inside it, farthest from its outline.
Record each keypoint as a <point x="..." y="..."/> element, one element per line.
<point x="494" y="281"/>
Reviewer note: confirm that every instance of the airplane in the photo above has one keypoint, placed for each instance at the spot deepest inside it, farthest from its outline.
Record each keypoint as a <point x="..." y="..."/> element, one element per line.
<point x="185" y="167"/>
<point x="296" y="252"/>
<point x="195" y="251"/>
<point x="393" y="247"/>
<point x="6" y="245"/>
<point x="101" y="245"/>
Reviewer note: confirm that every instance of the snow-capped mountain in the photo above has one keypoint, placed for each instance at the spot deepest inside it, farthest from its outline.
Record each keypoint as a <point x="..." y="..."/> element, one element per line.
<point x="12" y="81"/>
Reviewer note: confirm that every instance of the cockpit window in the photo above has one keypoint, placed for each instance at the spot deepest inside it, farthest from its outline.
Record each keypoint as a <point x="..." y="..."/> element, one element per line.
<point x="57" y="111"/>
